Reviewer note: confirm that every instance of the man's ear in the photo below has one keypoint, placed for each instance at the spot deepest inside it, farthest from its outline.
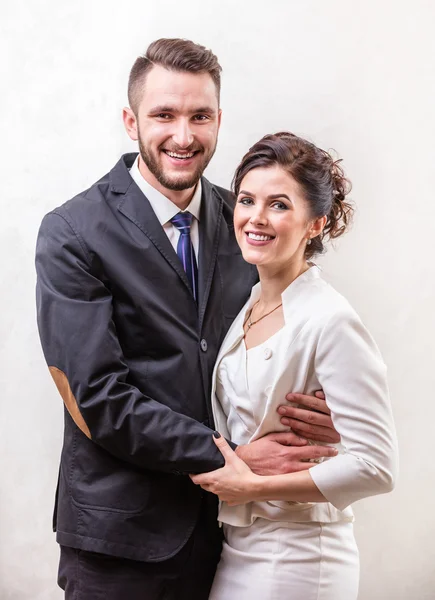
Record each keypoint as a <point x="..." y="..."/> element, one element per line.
<point x="219" y="118"/>
<point x="130" y="123"/>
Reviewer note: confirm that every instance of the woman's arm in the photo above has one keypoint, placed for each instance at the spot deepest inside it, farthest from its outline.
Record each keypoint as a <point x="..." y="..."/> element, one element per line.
<point x="235" y="483"/>
<point x="353" y="376"/>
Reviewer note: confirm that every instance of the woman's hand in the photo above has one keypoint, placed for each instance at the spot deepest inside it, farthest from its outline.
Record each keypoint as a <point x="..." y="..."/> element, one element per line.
<point x="234" y="483"/>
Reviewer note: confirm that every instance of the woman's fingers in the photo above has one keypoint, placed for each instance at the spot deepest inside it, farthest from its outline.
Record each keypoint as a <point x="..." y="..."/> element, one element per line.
<point x="225" y="449"/>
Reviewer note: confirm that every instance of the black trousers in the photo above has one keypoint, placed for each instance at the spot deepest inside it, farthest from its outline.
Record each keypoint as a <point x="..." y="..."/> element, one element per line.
<point x="187" y="576"/>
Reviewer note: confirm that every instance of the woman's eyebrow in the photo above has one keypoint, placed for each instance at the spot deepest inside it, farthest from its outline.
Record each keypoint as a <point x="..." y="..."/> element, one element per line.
<point x="276" y="196"/>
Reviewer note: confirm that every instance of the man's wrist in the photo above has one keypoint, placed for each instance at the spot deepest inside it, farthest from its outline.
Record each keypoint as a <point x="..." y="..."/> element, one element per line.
<point x="240" y="451"/>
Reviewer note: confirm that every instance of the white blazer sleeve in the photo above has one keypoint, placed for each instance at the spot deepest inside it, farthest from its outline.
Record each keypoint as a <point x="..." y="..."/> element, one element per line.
<point x="352" y="374"/>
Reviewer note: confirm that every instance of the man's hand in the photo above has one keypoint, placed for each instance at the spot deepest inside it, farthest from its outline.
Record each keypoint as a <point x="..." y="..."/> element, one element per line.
<point x="234" y="483"/>
<point x="279" y="453"/>
<point x="312" y="422"/>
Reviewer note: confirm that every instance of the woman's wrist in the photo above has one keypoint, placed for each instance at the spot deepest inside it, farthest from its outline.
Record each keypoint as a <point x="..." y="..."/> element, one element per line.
<point x="260" y="487"/>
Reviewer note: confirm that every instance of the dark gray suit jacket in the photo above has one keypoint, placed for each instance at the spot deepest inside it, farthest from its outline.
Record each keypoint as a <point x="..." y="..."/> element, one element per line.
<point x="132" y="355"/>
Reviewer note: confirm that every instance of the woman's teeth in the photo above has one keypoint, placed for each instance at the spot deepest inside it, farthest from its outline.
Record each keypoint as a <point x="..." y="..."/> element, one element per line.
<point x="259" y="238"/>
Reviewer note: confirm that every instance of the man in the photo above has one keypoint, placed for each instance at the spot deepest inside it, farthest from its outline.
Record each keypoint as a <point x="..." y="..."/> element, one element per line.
<point x="139" y="278"/>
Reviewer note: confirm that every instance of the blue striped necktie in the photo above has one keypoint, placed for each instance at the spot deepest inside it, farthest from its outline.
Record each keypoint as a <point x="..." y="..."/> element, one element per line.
<point x="183" y="221"/>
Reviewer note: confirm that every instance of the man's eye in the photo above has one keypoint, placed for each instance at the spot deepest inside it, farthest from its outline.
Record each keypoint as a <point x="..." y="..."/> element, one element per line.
<point x="200" y="118"/>
<point x="163" y="116"/>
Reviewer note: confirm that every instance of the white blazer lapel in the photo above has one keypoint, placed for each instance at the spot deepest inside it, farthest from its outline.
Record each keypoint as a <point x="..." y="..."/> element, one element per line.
<point x="233" y="337"/>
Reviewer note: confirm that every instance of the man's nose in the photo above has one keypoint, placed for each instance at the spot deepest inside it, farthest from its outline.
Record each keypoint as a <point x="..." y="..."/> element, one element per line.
<point x="182" y="135"/>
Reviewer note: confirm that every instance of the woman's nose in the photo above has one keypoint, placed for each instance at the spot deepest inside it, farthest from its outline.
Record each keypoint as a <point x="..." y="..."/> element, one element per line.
<point x="259" y="216"/>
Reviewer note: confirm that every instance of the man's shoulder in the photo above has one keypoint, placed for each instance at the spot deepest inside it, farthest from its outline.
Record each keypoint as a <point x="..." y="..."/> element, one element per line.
<point x="86" y="206"/>
<point x="226" y="195"/>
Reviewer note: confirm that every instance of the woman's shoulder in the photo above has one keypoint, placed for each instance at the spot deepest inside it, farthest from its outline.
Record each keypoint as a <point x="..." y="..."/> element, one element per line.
<point x="327" y="304"/>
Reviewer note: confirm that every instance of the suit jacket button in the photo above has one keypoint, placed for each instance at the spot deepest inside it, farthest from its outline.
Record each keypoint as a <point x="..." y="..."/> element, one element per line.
<point x="203" y="345"/>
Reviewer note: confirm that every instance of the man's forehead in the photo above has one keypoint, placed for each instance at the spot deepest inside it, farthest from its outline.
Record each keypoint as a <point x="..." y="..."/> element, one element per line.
<point x="162" y="85"/>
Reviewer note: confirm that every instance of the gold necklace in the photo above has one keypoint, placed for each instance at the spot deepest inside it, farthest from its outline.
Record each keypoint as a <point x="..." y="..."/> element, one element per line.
<point x="250" y="323"/>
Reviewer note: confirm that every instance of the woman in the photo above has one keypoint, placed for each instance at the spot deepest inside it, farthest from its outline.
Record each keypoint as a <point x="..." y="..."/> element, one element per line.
<point x="291" y="536"/>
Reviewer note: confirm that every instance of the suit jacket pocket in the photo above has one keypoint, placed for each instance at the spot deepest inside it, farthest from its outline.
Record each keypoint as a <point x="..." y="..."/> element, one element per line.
<point x="99" y="480"/>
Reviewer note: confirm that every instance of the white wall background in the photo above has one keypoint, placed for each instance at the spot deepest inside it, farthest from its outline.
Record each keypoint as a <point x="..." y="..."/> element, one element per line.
<point x="355" y="76"/>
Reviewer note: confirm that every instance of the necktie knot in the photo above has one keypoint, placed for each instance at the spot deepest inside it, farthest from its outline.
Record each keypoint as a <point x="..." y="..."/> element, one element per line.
<point x="182" y="221"/>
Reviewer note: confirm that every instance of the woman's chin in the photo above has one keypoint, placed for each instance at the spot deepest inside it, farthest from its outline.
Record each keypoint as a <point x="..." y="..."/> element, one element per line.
<point x="253" y="258"/>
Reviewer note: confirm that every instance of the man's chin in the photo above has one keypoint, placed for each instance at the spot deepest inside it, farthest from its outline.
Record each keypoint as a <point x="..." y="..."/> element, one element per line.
<point x="178" y="184"/>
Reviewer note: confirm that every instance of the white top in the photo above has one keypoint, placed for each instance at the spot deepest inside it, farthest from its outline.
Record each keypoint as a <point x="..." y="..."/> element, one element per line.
<point x="165" y="209"/>
<point x="323" y="345"/>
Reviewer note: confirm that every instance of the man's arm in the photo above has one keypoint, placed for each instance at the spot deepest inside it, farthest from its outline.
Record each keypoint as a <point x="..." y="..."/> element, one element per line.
<point x="289" y="452"/>
<point x="283" y="452"/>
<point x="82" y="350"/>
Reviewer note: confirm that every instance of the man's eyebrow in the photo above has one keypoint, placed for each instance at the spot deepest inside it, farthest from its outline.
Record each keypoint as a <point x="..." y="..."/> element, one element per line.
<point x="166" y="108"/>
<point x="204" y="109"/>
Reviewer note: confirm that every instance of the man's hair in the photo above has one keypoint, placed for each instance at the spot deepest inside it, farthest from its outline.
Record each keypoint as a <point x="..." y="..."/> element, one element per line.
<point x="175" y="55"/>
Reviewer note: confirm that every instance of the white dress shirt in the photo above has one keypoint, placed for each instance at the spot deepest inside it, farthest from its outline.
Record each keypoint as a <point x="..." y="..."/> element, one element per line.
<point x="165" y="209"/>
<point x="323" y="345"/>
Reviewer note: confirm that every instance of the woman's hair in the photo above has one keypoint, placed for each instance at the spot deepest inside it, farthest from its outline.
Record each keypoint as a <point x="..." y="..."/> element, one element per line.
<point x="319" y="176"/>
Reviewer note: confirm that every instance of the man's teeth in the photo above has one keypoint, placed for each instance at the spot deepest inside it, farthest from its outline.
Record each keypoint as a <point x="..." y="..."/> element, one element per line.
<point x="259" y="238"/>
<point x="175" y="155"/>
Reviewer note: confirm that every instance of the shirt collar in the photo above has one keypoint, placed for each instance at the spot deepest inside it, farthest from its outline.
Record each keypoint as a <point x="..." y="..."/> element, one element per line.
<point x="164" y="208"/>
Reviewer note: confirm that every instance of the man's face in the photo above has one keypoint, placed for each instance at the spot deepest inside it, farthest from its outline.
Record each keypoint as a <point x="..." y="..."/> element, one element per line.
<point x="177" y="126"/>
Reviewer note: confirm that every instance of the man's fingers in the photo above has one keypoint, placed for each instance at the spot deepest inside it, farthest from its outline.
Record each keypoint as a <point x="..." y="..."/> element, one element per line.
<point x="316" y="452"/>
<point x="287" y="438"/>
<point x="320" y="394"/>
<point x="312" y="432"/>
<point x="226" y="450"/>
<point x="307" y="416"/>
<point x="320" y="433"/>
<point x="311" y="402"/>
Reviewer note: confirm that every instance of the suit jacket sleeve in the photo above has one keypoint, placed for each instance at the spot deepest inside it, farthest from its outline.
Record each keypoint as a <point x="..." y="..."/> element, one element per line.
<point x="81" y="347"/>
<point x="353" y="376"/>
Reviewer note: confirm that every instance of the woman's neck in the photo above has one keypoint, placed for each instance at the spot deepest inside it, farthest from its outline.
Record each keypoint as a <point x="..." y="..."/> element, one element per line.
<point x="274" y="282"/>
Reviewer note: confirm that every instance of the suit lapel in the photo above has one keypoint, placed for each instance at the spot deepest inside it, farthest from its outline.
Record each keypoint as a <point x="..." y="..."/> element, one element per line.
<point x="135" y="206"/>
<point x="209" y="234"/>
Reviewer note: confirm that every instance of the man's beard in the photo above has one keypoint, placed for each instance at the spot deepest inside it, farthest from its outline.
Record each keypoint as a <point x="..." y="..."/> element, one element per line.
<point x="182" y="182"/>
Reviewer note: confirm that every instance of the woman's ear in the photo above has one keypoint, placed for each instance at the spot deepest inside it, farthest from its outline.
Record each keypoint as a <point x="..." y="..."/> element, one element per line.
<point x="317" y="226"/>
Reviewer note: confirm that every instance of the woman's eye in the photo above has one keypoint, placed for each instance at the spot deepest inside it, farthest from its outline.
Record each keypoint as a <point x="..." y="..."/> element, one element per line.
<point x="280" y="206"/>
<point x="246" y="201"/>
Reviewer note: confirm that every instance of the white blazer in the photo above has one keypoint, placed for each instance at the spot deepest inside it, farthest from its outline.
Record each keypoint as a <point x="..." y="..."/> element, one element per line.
<point x="327" y="347"/>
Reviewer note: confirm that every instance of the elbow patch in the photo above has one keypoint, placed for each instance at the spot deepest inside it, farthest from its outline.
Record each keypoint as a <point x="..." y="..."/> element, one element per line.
<point x="62" y="384"/>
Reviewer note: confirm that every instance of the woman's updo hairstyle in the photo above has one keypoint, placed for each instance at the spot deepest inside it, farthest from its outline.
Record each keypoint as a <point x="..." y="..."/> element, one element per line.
<point x="320" y="177"/>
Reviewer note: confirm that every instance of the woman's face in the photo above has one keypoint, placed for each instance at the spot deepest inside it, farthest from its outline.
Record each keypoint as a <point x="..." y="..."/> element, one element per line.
<point x="271" y="219"/>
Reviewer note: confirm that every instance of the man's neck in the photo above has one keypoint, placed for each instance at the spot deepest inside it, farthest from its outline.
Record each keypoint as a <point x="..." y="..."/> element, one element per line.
<point x="181" y="198"/>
